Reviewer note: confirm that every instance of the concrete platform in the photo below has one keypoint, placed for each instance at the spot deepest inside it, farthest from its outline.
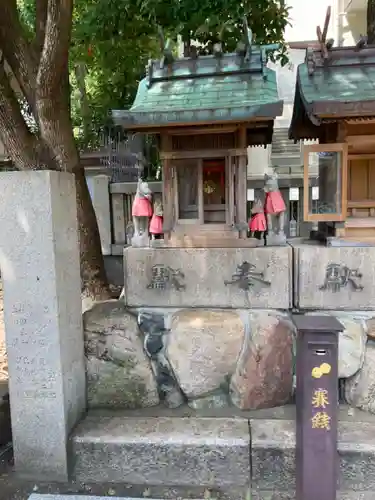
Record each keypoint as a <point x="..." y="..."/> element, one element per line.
<point x="254" y="496"/>
<point x="210" y="452"/>
<point x="273" y="455"/>
<point x="216" y="453"/>
<point x="35" y="496"/>
<point x="289" y="495"/>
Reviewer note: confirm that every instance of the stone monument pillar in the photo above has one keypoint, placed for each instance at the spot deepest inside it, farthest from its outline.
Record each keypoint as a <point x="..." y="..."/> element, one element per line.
<point x="101" y="204"/>
<point x="39" y="261"/>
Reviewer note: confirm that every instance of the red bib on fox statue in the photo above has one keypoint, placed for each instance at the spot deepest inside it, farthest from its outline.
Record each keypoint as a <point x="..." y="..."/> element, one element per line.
<point x="274" y="209"/>
<point x="141" y="212"/>
<point x="258" y="219"/>
<point x="156" y="224"/>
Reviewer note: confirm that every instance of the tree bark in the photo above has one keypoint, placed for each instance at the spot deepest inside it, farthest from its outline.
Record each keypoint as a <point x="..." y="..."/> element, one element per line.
<point x="80" y="74"/>
<point x="92" y="266"/>
<point x="371" y="22"/>
<point x="42" y="73"/>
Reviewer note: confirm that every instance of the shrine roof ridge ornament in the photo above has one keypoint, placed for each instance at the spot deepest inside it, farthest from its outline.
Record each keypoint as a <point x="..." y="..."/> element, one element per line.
<point x="333" y="84"/>
<point x="207" y="66"/>
<point x="248" y="58"/>
<point x="203" y="90"/>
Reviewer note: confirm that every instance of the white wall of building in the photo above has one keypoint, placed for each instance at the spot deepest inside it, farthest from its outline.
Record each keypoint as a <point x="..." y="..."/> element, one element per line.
<point x="306" y="16"/>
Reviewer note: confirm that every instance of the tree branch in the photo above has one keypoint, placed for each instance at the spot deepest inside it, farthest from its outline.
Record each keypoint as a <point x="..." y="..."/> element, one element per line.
<point x="55" y="53"/>
<point x="24" y="148"/>
<point x="17" y="51"/>
<point x="40" y="25"/>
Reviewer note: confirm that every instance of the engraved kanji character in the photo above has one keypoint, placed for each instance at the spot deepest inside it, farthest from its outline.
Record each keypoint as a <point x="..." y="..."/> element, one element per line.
<point x="321" y="420"/>
<point x="320" y="398"/>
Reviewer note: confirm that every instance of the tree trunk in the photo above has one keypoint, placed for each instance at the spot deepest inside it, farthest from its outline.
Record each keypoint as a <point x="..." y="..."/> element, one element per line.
<point x="187" y="45"/>
<point x="41" y="71"/>
<point x="371" y="21"/>
<point x="80" y="74"/>
<point x="93" y="276"/>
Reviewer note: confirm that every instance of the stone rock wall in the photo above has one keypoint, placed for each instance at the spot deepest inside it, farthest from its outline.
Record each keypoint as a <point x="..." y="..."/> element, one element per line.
<point x="119" y="374"/>
<point x="216" y="330"/>
<point x="205" y="358"/>
<point x="264" y="373"/>
<point x="203" y="347"/>
<point x="212" y="358"/>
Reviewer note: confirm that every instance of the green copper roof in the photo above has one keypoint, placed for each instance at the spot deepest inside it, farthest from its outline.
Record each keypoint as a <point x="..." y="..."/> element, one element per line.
<point x="205" y="90"/>
<point x="343" y="86"/>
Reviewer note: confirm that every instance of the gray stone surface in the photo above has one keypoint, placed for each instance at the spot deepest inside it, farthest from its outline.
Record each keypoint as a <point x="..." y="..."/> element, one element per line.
<point x="264" y="373"/>
<point x="203" y="347"/>
<point x="36" y="496"/>
<point x="101" y="204"/>
<point x="273" y="457"/>
<point x="39" y="262"/>
<point x="205" y="271"/>
<point x="163" y="451"/>
<point x="310" y="270"/>
<point x="118" y="218"/>
<point x="290" y="495"/>
<point x="352" y="341"/>
<point x="360" y="389"/>
<point x="119" y="374"/>
<point x="352" y="345"/>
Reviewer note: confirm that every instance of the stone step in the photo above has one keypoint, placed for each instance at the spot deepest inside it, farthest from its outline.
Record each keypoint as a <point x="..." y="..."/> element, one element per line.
<point x="167" y="451"/>
<point x="273" y="456"/>
<point x="213" y="453"/>
<point x="369" y="495"/>
<point x="36" y="496"/>
<point x="289" y="495"/>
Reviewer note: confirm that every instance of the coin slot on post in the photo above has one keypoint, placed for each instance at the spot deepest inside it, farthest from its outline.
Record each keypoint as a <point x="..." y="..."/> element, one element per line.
<point x="316" y="406"/>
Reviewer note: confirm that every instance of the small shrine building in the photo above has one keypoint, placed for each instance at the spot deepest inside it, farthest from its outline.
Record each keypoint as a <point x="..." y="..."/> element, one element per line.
<point x="206" y="111"/>
<point x="335" y="104"/>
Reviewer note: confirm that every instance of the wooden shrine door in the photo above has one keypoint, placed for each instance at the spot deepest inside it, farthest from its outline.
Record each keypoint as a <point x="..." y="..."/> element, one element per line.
<point x="361" y="199"/>
<point x="361" y="188"/>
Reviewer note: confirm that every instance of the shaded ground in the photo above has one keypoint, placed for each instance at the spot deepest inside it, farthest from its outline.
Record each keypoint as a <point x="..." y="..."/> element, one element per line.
<point x="13" y="487"/>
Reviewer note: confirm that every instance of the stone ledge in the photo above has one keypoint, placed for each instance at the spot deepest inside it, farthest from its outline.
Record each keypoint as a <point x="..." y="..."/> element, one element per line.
<point x="163" y="451"/>
<point x="204" y="277"/>
<point x="289" y="495"/>
<point x="36" y="496"/>
<point x="312" y="288"/>
<point x="273" y="455"/>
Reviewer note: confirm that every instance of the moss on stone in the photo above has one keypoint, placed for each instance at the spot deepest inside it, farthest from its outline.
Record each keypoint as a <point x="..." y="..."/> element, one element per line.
<point x="118" y="387"/>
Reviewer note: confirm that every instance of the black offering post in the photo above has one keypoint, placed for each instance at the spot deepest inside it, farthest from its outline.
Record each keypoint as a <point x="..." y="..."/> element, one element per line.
<point x="317" y="407"/>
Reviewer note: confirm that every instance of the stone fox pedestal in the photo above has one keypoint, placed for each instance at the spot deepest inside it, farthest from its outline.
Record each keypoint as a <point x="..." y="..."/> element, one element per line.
<point x="39" y="259"/>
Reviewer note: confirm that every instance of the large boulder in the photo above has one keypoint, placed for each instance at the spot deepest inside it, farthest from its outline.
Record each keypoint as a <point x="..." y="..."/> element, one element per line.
<point x="352" y="344"/>
<point x="360" y="389"/>
<point x="264" y="373"/>
<point x="119" y="374"/>
<point x="370" y="328"/>
<point x="203" y="347"/>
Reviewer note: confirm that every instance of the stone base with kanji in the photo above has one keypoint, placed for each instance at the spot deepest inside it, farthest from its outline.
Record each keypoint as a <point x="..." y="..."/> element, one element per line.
<point x="251" y="278"/>
<point x="329" y="278"/>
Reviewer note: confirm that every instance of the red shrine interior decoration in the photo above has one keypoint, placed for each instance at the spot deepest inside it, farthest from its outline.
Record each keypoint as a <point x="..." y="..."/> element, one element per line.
<point x="211" y="169"/>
